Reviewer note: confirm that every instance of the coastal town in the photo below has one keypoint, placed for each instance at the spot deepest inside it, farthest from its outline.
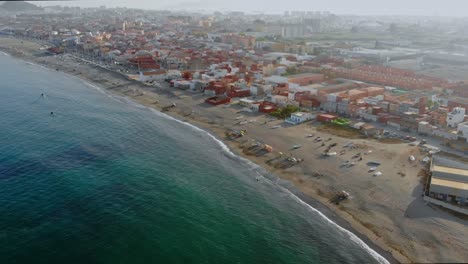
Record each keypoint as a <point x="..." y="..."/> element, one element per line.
<point x="367" y="115"/>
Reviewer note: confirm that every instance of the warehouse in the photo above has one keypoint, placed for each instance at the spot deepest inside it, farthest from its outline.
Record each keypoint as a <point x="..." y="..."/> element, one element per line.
<point x="449" y="181"/>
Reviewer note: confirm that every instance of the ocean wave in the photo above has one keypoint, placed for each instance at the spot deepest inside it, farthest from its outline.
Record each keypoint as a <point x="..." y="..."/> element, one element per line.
<point x="252" y="165"/>
<point x="95" y="87"/>
<point x="351" y="235"/>
<point x="5" y="54"/>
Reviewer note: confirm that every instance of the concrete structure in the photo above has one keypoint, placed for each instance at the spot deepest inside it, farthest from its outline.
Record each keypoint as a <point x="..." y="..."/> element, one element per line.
<point x="450" y="135"/>
<point x="326" y="117"/>
<point x="293" y="31"/>
<point x="306" y="78"/>
<point x="300" y="117"/>
<point x="456" y="117"/>
<point x="463" y="130"/>
<point x="448" y="181"/>
<point x="424" y="128"/>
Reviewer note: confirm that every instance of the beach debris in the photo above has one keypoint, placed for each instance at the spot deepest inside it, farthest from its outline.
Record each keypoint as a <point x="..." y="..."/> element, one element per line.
<point x="239" y="117"/>
<point x="373" y="163"/>
<point x="411" y="158"/>
<point x="235" y="134"/>
<point x="166" y="108"/>
<point x="257" y="149"/>
<point x="275" y="127"/>
<point x="339" y="197"/>
<point x="377" y="173"/>
<point x="310" y="135"/>
<point x="317" y="174"/>
<point x="284" y="162"/>
<point x="296" y="146"/>
<point x="371" y="169"/>
<point x="268" y="148"/>
<point x="329" y="154"/>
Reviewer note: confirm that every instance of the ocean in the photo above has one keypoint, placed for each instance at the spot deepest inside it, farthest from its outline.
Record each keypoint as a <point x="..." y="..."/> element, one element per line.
<point x="106" y="180"/>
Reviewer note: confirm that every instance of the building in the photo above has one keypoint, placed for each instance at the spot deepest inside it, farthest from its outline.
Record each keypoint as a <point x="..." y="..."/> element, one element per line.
<point x="267" y="107"/>
<point x="463" y="130"/>
<point x="300" y="117"/>
<point x="217" y="100"/>
<point x="293" y="31"/>
<point x="456" y="117"/>
<point x="306" y="78"/>
<point x="424" y="128"/>
<point x="152" y="75"/>
<point x="326" y="117"/>
<point x="448" y="181"/>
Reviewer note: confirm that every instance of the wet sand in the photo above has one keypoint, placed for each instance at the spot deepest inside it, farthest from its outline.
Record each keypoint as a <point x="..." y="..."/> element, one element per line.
<point x="387" y="211"/>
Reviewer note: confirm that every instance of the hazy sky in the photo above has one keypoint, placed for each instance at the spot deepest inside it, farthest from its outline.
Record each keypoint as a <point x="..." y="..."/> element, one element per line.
<point x="365" y="7"/>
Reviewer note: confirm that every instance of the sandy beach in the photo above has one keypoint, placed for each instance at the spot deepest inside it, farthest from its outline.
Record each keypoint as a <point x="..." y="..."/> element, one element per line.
<point x="387" y="211"/>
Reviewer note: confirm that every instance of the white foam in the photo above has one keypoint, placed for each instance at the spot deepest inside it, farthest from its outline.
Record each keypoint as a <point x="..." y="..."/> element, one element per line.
<point x="226" y="149"/>
<point x="351" y="235"/>
<point x="95" y="87"/>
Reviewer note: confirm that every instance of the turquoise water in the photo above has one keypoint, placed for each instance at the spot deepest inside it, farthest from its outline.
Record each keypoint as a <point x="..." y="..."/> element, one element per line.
<point x="104" y="180"/>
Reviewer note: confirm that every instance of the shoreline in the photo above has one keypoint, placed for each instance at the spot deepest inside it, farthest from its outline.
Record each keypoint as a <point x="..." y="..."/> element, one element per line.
<point x="312" y="204"/>
<point x="203" y="122"/>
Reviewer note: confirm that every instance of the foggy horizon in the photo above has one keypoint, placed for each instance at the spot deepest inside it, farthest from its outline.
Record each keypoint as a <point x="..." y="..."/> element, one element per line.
<point x="449" y="8"/>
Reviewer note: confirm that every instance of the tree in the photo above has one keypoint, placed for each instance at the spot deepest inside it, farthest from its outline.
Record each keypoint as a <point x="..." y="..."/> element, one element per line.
<point x="285" y="112"/>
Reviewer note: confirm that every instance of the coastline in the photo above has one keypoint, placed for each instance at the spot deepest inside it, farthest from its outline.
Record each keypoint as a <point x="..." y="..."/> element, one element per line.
<point x="214" y="124"/>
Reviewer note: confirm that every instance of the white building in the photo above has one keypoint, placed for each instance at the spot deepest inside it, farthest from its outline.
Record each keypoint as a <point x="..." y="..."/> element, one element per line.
<point x="424" y="128"/>
<point x="300" y="117"/>
<point x="463" y="130"/>
<point x="152" y="75"/>
<point x="456" y="117"/>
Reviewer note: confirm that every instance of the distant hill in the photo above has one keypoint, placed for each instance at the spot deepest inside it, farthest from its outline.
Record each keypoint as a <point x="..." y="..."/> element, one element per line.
<point x="18" y="6"/>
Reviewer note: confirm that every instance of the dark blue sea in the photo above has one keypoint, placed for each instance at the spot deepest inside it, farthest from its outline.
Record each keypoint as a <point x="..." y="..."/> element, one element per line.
<point x="105" y="180"/>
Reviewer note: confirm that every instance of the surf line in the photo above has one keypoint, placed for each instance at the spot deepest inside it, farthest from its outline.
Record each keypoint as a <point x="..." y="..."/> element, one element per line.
<point x="226" y="149"/>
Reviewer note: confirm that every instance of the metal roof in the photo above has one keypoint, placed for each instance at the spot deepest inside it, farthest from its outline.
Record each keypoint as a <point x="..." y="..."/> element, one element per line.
<point x="450" y="184"/>
<point x="443" y="169"/>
